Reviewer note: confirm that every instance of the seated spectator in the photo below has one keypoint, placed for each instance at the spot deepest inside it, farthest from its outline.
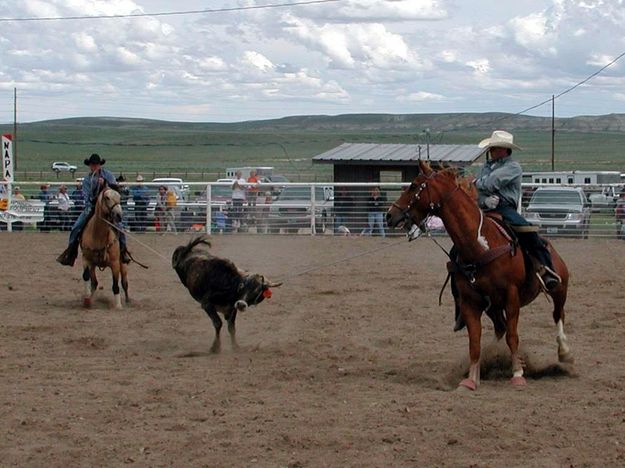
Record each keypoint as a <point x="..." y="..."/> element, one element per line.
<point x="63" y="212"/>
<point x="44" y="194"/>
<point x="17" y="194"/>
<point x="78" y="199"/>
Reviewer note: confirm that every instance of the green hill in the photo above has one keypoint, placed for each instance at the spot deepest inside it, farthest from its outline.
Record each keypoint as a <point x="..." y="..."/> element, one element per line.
<point x="154" y="146"/>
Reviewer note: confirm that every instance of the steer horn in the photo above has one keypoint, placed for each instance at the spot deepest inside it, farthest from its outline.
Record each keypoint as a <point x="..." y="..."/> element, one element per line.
<point x="274" y="285"/>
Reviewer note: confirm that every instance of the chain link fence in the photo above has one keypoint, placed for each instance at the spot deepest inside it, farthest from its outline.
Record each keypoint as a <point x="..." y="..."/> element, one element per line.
<point x="349" y="209"/>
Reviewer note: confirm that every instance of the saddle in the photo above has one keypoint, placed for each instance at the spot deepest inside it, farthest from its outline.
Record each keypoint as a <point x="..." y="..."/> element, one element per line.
<point x="455" y="265"/>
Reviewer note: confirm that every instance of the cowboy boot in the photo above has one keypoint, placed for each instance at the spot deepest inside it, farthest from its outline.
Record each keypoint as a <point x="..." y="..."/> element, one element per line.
<point x="549" y="278"/>
<point x="68" y="257"/>
<point x="124" y="255"/>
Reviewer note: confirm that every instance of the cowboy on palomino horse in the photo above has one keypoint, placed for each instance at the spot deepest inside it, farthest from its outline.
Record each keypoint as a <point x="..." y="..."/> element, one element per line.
<point x="91" y="187"/>
<point x="491" y="275"/>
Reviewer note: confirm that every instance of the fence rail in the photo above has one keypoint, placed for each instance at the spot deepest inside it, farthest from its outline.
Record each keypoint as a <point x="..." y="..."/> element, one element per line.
<point x="581" y="211"/>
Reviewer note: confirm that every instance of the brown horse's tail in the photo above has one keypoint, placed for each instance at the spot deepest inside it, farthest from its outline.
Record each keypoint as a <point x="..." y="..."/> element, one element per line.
<point x="181" y="252"/>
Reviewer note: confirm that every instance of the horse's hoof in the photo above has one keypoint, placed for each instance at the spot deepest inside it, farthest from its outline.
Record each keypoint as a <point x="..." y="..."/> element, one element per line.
<point x="566" y="358"/>
<point x="468" y="384"/>
<point x="518" y="381"/>
<point x="86" y="302"/>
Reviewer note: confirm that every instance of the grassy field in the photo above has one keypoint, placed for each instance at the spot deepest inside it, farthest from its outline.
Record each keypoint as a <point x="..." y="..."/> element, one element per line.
<point x="163" y="147"/>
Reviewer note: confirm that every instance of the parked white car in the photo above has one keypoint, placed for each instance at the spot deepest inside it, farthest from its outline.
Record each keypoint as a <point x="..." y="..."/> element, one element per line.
<point x="62" y="166"/>
<point x="605" y="199"/>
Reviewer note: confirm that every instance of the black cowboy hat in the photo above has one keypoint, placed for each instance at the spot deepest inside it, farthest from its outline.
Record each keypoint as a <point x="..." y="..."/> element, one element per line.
<point x="94" y="159"/>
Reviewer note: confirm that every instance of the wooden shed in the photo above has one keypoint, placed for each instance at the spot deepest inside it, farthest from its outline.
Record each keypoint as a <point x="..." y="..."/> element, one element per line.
<point x="364" y="162"/>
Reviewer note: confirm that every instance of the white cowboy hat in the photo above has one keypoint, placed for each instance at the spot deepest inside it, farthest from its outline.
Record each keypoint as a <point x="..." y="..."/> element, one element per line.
<point x="139" y="178"/>
<point x="499" y="139"/>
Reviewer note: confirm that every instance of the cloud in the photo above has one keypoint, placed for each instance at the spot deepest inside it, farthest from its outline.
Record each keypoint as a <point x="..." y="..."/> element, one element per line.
<point x="351" y="56"/>
<point x="422" y="96"/>
<point x="354" y="45"/>
<point x="377" y="11"/>
<point x="257" y="61"/>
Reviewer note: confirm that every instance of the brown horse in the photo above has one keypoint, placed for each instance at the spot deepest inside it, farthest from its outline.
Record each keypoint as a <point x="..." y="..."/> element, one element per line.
<point x="500" y="280"/>
<point x="100" y="247"/>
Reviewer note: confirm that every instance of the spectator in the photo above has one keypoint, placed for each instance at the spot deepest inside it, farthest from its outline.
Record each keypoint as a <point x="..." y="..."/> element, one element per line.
<point x="264" y="217"/>
<point x="238" y="199"/>
<point x="44" y="193"/>
<point x="620" y="215"/>
<point x="18" y="195"/>
<point x="252" y="193"/>
<point x="343" y="209"/>
<point x="141" y="196"/>
<point x="161" y="208"/>
<point x="44" y="196"/>
<point x="63" y="210"/>
<point x="170" y="210"/>
<point x="124" y="191"/>
<point x="78" y="198"/>
<point x="376" y="206"/>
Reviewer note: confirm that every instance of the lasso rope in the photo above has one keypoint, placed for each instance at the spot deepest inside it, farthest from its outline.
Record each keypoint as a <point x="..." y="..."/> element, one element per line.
<point x="480" y="238"/>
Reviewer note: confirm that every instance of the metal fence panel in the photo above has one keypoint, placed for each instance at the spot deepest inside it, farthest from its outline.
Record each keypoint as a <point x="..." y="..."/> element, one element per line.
<point x="581" y="211"/>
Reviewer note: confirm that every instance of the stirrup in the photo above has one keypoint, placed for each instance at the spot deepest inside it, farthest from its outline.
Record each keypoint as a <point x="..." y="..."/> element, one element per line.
<point x="553" y="273"/>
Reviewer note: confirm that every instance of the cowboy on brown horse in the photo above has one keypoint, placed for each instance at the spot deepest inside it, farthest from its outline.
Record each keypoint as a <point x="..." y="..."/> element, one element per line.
<point x="492" y="276"/>
<point x="499" y="191"/>
<point x="92" y="185"/>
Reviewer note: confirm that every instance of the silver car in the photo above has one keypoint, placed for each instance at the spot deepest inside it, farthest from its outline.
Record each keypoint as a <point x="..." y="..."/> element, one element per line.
<point x="292" y="209"/>
<point x="560" y="211"/>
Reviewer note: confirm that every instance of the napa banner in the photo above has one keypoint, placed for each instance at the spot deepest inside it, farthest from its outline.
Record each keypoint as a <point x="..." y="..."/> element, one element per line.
<point x="7" y="158"/>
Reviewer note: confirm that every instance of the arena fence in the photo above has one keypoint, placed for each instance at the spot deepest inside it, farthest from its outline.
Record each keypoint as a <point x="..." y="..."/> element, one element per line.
<point x="582" y="211"/>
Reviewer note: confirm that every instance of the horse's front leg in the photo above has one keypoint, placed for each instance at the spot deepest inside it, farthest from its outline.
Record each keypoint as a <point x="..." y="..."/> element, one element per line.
<point x="124" y="276"/>
<point x="513" y="308"/>
<point x="115" y="269"/>
<point x="91" y="284"/>
<point x="472" y="317"/>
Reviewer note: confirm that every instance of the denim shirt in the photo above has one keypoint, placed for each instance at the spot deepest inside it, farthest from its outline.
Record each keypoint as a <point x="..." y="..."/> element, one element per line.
<point x="90" y="185"/>
<point x="501" y="178"/>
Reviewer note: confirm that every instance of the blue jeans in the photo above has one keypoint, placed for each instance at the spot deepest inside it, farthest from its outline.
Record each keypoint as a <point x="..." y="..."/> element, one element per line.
<point x="375" y="218"/>
<point x="531" y="241"/>
<point x="81" y="222"/>
<point x="511" y="216"/>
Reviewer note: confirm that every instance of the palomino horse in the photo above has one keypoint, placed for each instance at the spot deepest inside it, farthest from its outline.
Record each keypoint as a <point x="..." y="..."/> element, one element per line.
<point x="492" y="275"/>
<point x="100" y="247"/>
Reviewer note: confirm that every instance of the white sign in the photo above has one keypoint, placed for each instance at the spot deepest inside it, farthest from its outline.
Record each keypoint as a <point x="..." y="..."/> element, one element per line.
<point x="7" y="158"/>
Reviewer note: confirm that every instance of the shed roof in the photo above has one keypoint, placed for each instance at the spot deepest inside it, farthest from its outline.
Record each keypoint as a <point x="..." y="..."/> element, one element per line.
<point x="398" y="154"/>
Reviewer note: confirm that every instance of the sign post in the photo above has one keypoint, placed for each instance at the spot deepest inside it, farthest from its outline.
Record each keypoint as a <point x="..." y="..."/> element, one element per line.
<point x="7" y="173"/>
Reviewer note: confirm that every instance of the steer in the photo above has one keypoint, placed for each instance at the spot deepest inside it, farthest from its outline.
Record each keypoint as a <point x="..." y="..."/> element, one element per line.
<point x="218" y="285"/>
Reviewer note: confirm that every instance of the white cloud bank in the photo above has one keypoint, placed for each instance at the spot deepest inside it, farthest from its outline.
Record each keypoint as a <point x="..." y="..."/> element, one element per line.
<point x="351" y="56"/>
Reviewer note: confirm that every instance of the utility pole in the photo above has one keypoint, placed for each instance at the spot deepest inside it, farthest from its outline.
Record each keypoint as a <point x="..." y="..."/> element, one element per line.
<point x="14" y="130"/>
<point x="427" y="141"/>
<point x="553" y="133"/>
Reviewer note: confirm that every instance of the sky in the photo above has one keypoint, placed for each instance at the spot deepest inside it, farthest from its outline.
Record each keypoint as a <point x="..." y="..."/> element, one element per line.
<point x="349" y="56"/>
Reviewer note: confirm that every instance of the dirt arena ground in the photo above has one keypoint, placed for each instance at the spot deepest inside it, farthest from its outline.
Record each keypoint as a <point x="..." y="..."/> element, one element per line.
<point x="350" y="365"/>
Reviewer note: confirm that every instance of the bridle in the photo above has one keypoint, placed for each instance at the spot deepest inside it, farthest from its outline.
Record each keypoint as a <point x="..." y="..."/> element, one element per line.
<point x="433" y="207"/>
<point x="109" y="208"/>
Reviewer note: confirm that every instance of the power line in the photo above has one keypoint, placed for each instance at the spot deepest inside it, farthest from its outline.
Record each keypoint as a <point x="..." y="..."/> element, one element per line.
<point x="546" y="101"/>
<point x="169" y="13"/>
